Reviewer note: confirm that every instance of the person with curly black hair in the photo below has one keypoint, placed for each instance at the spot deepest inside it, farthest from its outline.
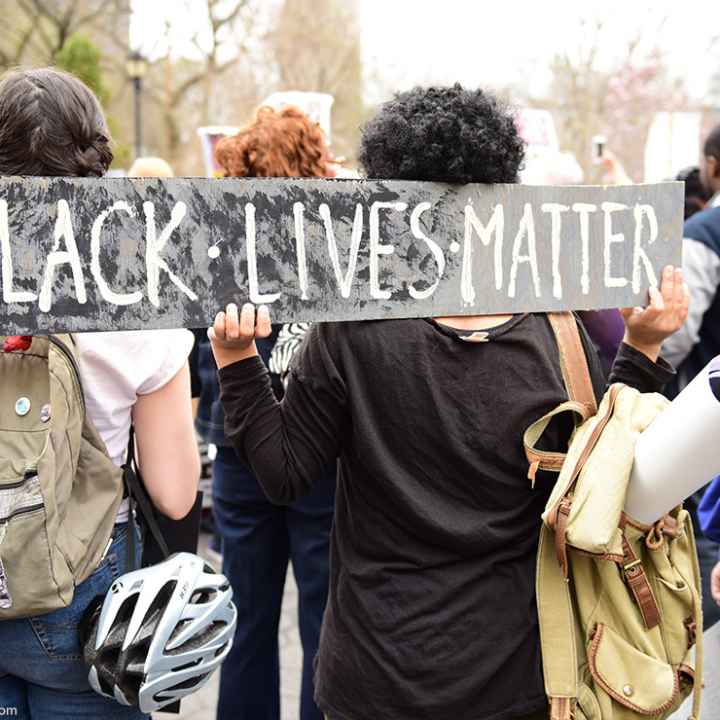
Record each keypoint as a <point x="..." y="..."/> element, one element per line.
<point x="431" y="610"/>
<point x="445" y="135"/>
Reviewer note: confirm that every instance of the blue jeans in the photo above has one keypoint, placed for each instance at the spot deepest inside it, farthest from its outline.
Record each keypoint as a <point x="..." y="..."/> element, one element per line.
<point x="258" y="539"/>
<point x="42" y="673"/>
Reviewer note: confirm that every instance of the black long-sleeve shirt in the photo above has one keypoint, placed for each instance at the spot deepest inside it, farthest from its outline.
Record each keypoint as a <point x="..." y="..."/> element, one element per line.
<point x="431" y="612"/>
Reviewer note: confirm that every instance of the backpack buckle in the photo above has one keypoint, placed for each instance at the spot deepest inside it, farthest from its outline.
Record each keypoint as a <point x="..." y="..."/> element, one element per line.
<point x="631" y="565"/>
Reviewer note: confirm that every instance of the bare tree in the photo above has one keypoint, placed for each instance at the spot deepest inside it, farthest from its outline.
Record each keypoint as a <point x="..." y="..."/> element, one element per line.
<point x="36" y="30"/>
<point x="618" y="99"/>
<point x="184" y="92"/>
<point x="315" y="46"/>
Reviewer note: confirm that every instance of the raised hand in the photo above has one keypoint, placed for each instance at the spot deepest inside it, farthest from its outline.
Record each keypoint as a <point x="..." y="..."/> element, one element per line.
<point x="232" y="335"/>
<point x="647" y="328"/>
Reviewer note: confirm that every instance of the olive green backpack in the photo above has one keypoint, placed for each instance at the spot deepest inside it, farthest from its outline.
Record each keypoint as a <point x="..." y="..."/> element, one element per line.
<point x="59" y="490"/>
<point x="618" y="602"/>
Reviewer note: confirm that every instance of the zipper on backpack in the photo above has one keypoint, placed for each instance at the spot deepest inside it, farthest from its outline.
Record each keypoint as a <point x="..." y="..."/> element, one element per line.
<point x="29" y="474"/>
<point x="21" y="511"/>
<point x="72" y="364"/>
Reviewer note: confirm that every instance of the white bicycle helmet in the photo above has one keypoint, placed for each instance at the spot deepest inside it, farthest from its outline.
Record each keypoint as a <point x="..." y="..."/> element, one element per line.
<point x="160" y="632"/>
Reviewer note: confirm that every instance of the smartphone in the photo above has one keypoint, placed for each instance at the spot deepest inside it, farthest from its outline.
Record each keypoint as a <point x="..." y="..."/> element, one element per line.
<point x="598" y="142"/>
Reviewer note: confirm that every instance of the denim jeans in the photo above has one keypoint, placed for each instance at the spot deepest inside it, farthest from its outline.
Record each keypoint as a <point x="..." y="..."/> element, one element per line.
<point x="258" y="539"/>
<point x="42" y="673"/>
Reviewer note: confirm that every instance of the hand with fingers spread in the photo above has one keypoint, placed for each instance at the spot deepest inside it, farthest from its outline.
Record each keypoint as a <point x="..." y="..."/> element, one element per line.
<point x="232" y="335"/>
<point x="647" y="328"/>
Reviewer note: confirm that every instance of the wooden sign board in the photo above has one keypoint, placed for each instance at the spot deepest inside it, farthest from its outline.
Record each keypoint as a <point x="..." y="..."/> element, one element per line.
<point x="119" y="254"/>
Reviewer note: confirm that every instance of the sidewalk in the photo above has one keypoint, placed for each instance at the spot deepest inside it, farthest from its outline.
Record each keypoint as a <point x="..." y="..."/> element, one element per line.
<point x="201" y="705"/>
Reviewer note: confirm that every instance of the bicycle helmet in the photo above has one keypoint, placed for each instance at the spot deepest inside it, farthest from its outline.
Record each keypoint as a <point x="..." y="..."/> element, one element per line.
<point x="159" y="633"/>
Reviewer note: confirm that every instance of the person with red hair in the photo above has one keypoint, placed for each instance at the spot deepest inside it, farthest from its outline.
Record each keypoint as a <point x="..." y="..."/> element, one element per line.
<point x="284" y="143"/>
<point x="258" y="537"/>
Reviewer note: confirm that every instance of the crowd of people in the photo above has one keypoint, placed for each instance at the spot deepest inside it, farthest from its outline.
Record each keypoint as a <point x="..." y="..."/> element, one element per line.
<point x="383" y="460"/>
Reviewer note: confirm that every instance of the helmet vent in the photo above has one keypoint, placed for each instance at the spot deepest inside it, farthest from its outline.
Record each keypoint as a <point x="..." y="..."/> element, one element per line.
<point x="199" y="640"/>
<point x="130" y="686"/>
<point x="126" y="610"/>
<point x="178" y="629"/>
<point x="187" y="666"/>
<point x="188" y="684"/>
<point x="156" y="609"/>
<point x="202" y="596"/>
<point x="221" y="650"/>
<point x="106" y="679"/>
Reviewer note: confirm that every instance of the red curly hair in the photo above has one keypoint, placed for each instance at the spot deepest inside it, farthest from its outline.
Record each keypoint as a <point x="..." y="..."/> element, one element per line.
<point x="283" y="143"/>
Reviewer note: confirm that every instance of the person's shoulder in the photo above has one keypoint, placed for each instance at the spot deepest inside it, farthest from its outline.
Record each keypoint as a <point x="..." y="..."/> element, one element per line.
<point x="138" y="357"/>
<point x="136" y="346"/>
<point x="704" y="227"/>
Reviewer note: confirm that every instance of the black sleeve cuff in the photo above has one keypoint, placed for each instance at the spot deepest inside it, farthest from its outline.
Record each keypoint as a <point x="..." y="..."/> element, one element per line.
<point x="635" y="369"/>
<point x="241" y="371"/>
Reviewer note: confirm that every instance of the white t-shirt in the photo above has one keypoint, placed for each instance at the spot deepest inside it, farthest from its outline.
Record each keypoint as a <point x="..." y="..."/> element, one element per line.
<point x="117" y="367"/>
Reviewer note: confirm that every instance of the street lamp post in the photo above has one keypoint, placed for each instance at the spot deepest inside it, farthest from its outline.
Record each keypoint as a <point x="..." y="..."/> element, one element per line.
<point x="136" y="68"/>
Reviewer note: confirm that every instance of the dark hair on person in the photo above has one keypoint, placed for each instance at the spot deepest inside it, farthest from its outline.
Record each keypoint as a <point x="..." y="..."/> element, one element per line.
<point x="284" y="143"/>
<point x="51" y="124"/>
<point x="696" y="194"/>
<point x="445" y="134"/>
<point x="712" y="143"/>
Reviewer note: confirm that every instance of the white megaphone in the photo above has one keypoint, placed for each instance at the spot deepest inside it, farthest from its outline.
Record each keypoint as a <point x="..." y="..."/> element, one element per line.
<point x="679" y="452"/>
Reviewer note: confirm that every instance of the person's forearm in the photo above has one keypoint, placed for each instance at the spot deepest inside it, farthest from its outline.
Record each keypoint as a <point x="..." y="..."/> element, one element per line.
<point x="635" y="368"/>
<point x="273" y="440"/>
<point x="650" y="351"/>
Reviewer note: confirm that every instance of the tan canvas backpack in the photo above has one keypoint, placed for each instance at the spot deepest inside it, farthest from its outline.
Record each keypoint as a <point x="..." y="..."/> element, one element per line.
<point x="59" y="490"/>
<point x="618" y="602"/>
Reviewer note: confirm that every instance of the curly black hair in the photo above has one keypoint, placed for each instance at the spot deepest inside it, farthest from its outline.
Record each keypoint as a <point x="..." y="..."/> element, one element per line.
<point x="443" y="134"/>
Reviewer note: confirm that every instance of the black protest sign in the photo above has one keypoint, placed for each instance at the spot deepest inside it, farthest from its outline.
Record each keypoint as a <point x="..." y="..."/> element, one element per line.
<point x="114" y="254"/>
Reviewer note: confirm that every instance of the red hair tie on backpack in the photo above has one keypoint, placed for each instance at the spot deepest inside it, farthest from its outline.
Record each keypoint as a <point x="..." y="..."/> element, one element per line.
<point x="17" y="342"/>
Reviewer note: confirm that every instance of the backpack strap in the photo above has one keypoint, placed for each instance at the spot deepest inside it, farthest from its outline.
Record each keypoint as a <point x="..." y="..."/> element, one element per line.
<point x="576" y="375"/>
<point x="558" y="642"/>
<point x="139" y="499"/>
<point x="699" y="639"/>
<point x="638" y="583"/>
<point x="559" y="651"/>
<point x="573" y="361"/>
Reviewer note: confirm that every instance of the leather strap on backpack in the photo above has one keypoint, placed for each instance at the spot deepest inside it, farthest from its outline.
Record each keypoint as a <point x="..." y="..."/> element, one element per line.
<point x="573" y="361"/>
<point x="581" y="394"/>
<point x="638" y="583"/>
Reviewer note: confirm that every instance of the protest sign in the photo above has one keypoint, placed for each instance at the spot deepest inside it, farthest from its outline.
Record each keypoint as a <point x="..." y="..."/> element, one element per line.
<point x="81" y="254"/>
<point x="209" y="138"/>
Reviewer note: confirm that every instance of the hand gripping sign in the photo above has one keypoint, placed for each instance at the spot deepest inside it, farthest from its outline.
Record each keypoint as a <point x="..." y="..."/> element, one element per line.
<point x="118" y="254"/>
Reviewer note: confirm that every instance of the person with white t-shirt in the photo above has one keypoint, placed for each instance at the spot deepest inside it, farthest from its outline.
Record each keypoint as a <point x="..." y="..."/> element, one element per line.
<point x="52" y="125"/>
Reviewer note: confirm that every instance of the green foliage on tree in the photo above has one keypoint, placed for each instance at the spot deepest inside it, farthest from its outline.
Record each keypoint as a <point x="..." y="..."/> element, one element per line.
<point x="81" y="57"/>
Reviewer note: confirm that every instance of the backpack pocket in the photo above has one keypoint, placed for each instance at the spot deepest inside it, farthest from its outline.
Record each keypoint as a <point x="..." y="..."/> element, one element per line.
<point x="628" y="680"/>
<point x="671" y="555"/>
<point x="30" y="582"/>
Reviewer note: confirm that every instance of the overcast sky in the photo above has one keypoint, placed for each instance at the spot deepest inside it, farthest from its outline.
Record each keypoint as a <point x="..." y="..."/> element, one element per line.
<point x="498" y="42"/>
